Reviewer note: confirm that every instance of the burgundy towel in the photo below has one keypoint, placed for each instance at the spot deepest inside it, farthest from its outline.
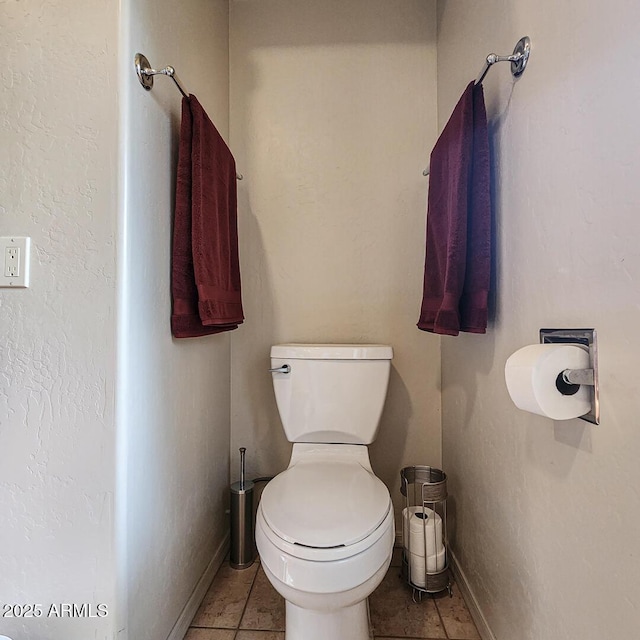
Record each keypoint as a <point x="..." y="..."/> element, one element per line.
<point x="475" y="293"/>
<point x="205" y="282"/>
<point x="457" y="264"/>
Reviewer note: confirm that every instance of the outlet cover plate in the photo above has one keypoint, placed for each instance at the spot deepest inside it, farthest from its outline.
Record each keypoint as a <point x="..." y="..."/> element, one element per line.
<point x="14" y="262"/>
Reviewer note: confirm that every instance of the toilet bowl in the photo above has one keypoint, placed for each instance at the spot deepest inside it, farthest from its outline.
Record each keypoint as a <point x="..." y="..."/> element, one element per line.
<point x="325" y="526"/>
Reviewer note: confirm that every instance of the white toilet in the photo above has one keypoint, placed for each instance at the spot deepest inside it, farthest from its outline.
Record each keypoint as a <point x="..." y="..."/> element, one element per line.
<point x="325" y="526"/>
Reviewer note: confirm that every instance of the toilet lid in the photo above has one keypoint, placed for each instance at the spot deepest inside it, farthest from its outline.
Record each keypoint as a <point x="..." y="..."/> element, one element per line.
<point x="325" y="505"/>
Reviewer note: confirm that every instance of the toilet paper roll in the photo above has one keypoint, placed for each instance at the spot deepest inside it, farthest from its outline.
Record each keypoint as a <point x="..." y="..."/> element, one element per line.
<point x="531" y="374"/>
<point x="424" y="532"/>
<point x="435" y="563"/>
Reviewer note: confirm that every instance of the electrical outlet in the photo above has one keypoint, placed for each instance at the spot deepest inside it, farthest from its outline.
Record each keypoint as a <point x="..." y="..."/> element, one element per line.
<point x="12" y="262"/>
<point x="14" y="252"/>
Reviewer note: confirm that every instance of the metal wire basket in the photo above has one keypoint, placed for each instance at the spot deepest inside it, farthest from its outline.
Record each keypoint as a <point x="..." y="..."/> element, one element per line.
<point x="425" y="562"/>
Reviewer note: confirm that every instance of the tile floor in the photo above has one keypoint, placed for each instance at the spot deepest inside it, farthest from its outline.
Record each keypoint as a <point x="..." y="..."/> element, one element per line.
<point x="242" y="605"/>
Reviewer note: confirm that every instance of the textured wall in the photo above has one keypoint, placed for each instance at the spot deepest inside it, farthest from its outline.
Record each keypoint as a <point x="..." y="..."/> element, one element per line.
<point x="333" y="110"/>
<point x="57" y="344"/>
<point x="548" y="513"/>
<point x="173" y="395"/>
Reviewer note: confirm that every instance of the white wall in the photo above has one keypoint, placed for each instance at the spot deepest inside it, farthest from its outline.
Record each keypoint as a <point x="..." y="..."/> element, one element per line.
<point x="333" y="109"/>
<point x="57" y="338"/>
<point x="548" y="513"/>
<point x="173" y="394"/>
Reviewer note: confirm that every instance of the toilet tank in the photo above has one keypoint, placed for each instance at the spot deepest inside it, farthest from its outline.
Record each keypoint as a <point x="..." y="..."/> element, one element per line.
<point x="333" y="393"/>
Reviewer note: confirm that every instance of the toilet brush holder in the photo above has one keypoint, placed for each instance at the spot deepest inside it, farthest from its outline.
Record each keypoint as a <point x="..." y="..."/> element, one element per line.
<point x="242" y="553"/>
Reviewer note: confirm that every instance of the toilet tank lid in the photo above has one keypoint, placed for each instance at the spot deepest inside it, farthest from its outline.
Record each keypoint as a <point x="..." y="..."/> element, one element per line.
<point x="332" y="351"/>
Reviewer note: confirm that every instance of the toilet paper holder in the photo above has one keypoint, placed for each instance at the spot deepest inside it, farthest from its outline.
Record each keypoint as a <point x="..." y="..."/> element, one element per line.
<point x="569" y="380"/>
<point x="425" y="491"/>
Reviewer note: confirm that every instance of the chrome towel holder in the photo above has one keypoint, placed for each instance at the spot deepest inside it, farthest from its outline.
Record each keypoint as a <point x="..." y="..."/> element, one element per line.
<point x="518" y="60"/>
<point x="145" y="75"/>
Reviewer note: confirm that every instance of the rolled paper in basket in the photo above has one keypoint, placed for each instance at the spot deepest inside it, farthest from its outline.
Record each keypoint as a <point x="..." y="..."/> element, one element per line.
<point x="423" y="533"/>
<point x="435" y="563"/>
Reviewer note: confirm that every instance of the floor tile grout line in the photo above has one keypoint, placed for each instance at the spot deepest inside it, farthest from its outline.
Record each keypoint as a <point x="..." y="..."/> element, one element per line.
<point x="435" y="604"/>
<point x="408" y="638"/>
<point x="246" y="602"/>
<point x="444" y="628"/>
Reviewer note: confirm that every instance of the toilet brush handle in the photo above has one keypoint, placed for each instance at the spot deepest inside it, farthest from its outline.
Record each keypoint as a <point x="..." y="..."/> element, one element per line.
<point x="242" y="476"/>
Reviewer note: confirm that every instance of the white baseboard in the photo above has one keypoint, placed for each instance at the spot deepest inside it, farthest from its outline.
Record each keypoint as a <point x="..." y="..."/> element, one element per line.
<point x="470" y="600"/>
<point x="181" y="626"/>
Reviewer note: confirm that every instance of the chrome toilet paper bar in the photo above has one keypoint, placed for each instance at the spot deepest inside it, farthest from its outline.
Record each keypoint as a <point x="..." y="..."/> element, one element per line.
<point x="588" y="377"/>
<point x="579" y="376"/>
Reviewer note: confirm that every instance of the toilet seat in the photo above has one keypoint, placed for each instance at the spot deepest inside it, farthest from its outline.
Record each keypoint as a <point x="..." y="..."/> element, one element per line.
<point x="316" y="554"/>
<point x="336" y="570"/>
<point x="325" y="505"/>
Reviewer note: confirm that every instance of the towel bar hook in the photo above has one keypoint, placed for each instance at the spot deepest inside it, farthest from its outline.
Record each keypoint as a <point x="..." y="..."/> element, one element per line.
<point x="145" y="75"/>
<point x="518" y="60"/>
